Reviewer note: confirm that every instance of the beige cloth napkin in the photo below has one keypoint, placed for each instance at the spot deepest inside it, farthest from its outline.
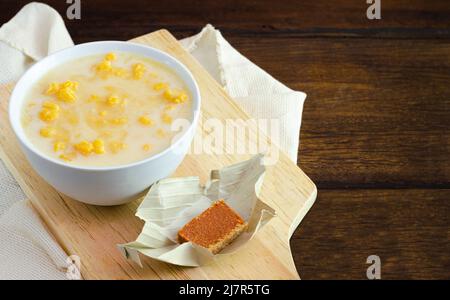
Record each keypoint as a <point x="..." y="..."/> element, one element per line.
<point x="27" y="251"/>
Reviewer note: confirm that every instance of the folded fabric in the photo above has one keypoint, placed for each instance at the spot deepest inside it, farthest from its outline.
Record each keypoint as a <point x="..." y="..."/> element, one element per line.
<point x="35" y="31"/>
<point x="256" y="91"/>
<point x="27" y="250"/>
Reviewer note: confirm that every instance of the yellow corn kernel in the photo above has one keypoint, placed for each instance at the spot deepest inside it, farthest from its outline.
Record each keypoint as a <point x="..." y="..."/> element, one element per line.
<point x="168" y="94"/>
<point x="160" y="133"/>
<point x="58" y="146"/>
<point x="52" y="88"/>
<point x="112" y="100"/>
<point x="102" y="113"/>
<point x="146" y="147"/>
<point x="138" y="70"/>
<point x="47" y="132"/>
<point x="84" y="147"/>
<point x="65" y="157"/>
<point x="66" y="94"/>
<point x="110" y="56"/>
<point x="119" y="72"/>
<point x="138" y="67"/>
<point x="166" y="118"/>
<point x="181" y="98"/>
<point x="119" y="121"/>
<point x="160" y="86"/>
<point x="137" y="75"/>
<point x="144" y="120"/>
<point x="93" y="98"/>
<point x="104" y="66"/>
<point x="99" y="146"/>
<point x="98" y="143"/>
<point x="48" y="115"/>
<point x="50" y="105"/>
<point x="169" y="107"/>
<point x="117" y="146"/>
<point x="70" y="84"/>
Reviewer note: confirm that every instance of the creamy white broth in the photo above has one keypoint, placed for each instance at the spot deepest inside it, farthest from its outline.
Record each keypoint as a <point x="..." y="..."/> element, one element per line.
<point x="90" y="113"/>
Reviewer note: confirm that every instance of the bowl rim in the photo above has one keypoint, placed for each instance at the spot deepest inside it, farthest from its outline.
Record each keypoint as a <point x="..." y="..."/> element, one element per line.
<point x="25" y="141"/>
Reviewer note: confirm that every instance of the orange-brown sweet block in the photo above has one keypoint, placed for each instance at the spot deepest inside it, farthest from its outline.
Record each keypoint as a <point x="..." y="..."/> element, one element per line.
<point x="214" y="228"/>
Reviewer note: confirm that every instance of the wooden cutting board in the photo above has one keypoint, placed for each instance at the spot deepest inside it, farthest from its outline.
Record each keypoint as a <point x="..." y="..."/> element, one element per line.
<point x="92" y="232"/>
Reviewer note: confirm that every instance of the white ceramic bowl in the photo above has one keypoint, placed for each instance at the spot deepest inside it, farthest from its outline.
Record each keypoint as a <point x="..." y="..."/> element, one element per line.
<point x="103" y="185"/>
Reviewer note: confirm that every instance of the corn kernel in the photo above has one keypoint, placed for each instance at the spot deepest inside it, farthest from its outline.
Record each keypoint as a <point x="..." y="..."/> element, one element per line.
<point x="99" y="150"/>
<point x="48" y="115"/>
<point x="65" y="157"/>
<point x="166" y="118"/>
<point x="102" y="113"/>
<point x="182" y="97"/>
<point x="138" y="67"/>
<point x="119" y="121"/>
<point x="58" y="146"/>
<point x="169" y="107"/>
<point x="98" y="143"/>
<point x="50" y="105"/>
<point x="47" y="132"/>
<point x="110" y="56"/>
<point x="144" y="120"/>
<point x="113" y="100"/>
<point x="84" y="147"/>
<point x="159" y="86"/>
<point x="119" y="72"/>
<point x="66" y="94"/>
<point x="70" y="84"/>
<point x="104" y="66"/>
<point x="146" y="147"/>
<point x="64" y="91"/>
<point x="168" y="94"/>
<point x="52" y="88"/>
<point x="99" y="146"/>
<point x="117" y="146"/>
<point x="138" y="71"/>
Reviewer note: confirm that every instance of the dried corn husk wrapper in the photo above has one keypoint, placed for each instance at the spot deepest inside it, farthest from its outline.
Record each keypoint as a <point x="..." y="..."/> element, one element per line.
<point x="173" y="202"/>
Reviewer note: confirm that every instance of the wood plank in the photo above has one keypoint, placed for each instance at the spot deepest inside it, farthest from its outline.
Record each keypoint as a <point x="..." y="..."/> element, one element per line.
<point x="408" y="229"/>
<point x="377" y="112"/>
<point x="92" y="232"/>
<point x="400" y="19"/>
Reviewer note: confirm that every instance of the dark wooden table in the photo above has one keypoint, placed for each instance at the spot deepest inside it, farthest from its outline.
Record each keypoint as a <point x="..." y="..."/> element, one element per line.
<point x="376" y="124"/>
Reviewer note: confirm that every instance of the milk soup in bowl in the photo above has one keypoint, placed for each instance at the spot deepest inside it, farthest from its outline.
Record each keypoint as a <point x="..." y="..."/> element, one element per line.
<point x="98" y="121"/>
